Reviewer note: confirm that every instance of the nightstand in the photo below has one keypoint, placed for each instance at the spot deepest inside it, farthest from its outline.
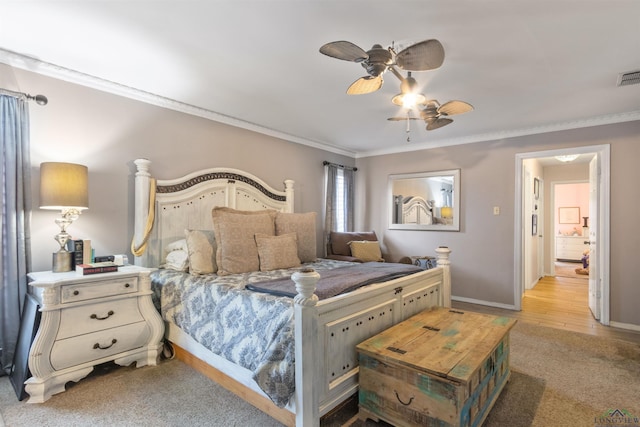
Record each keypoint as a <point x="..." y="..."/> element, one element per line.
<point x="89" y="320"/>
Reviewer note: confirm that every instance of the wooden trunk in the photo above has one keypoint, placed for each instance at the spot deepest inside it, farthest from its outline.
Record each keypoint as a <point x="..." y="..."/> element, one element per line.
<point x="440" y="367"/>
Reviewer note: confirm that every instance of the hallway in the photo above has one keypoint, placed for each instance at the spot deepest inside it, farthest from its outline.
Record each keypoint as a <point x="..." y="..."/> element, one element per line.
<point x="557" y="302"/>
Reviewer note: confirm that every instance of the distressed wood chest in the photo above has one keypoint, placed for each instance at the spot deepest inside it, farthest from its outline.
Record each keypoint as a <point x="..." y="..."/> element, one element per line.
<point x="441" y="367"/>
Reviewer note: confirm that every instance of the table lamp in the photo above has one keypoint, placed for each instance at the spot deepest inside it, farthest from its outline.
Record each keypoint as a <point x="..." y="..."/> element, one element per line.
<point x="64" y="187"/>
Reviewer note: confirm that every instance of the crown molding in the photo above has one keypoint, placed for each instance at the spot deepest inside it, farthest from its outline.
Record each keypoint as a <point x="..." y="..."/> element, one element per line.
<point x="494" y="136"/>
<point x="34" y="65"/>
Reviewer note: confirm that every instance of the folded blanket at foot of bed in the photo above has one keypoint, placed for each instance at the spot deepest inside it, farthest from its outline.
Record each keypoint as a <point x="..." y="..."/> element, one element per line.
<point x="340" y="280"/>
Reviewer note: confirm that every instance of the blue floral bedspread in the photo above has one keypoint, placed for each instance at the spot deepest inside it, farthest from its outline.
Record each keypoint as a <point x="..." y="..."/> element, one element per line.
<point x="251" y="329"/>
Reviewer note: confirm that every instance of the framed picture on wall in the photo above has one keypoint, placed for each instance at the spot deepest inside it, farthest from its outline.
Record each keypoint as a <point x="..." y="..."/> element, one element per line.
<point x="569" y="215"/>
<point x="536" y="188"/>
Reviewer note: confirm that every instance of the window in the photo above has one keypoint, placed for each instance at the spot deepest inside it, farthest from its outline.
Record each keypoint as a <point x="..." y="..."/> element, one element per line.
<point x="339" y="198"/>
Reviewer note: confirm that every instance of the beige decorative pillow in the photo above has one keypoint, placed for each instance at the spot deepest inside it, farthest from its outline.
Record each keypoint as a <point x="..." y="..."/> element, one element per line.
<point x="304" y="225"/>
<point x="277" y="251"/>
<point x="366" y="250"/>
<point x="235" y="230"/>
<point x="201" y="247"/>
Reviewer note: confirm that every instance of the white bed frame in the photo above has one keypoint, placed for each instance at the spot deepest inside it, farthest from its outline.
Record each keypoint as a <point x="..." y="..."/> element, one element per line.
<point x="326" y="332"/>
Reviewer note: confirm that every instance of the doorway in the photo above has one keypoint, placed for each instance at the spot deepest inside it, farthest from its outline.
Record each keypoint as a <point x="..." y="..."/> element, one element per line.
<point x="598" y="237"/>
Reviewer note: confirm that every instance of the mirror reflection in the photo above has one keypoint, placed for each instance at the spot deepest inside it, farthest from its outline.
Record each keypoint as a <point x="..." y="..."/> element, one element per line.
<point x="425" y="201"/>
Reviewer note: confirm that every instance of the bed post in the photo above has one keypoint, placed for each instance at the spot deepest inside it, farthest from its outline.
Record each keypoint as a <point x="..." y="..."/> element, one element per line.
<point x="306" y="343"/>
<point x="444" y="262"/>
<point x="288" y="189"/>
<point x="141" y="206"/>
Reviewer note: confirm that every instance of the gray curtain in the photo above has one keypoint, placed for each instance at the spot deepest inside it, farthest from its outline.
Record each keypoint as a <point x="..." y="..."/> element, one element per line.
<point x="16" y="207"/>
<point x="339" y="186"/>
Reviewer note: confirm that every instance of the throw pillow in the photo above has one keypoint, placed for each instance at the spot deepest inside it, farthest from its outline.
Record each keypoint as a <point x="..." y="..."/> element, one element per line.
<point x="277" y="252"/>
<point x="366" y="251"/>
<point x="236" y="246"/>
<point x="201" y="247"/>
<point x="304" y="225"/>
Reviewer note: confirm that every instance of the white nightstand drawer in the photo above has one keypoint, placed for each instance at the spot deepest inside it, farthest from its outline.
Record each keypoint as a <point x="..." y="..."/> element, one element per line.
<point x="87" y="348"/>
<point x="98" y="316"/>
<point x="98" y="289"/>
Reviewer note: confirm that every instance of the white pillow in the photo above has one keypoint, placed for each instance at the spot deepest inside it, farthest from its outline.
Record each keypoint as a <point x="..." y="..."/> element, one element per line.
<point x="177" y="260"/>
<point x="178" y="245"/>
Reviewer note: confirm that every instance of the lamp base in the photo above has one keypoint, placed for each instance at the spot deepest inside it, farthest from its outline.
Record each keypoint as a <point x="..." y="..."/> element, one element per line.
<point x="61" y="261"/>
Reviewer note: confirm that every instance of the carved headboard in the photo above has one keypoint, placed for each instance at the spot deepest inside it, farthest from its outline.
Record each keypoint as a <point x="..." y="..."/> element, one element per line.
<point x="417" y="210"/>
<point x="186" y="203"/>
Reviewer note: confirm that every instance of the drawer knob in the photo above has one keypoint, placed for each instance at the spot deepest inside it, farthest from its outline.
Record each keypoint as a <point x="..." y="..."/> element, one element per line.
<point x="400" y="400"/>
<point x="98" y="346"/>
<point x="76" y="292"/>
<point x="126" y="285"/>
<point x="109" y="314"/>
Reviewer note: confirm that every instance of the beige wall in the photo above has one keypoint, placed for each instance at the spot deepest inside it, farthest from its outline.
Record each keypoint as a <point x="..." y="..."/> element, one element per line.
<point x="107" y="132"/>
<point x="483" y="251"/>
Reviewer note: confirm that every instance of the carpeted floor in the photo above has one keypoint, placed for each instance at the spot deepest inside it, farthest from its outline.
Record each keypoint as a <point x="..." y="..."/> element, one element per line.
<point x="558" y="378"/>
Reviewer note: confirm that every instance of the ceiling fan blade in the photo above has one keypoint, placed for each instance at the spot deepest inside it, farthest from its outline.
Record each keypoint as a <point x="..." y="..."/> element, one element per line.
<point x="364" y="85"/>
<point x="455" y="107"/>
<point x="422" y="56"/>
<point x="344" y="50"/>
<point x="438" y="123"/>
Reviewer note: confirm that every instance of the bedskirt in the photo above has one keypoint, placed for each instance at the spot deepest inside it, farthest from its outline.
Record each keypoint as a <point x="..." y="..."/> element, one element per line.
<point x="251" y="329"/>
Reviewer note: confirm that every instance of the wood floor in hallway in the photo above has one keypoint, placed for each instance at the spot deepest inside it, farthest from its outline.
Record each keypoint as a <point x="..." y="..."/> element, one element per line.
<point x="557" y="302"/>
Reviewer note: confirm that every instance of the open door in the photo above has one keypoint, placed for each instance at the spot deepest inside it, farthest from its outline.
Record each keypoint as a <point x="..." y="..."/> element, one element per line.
<point x="595" y="291"/>
<point x="599" y="187"/>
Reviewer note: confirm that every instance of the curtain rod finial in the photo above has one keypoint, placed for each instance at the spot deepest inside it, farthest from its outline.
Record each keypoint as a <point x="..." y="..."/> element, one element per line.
<point x="40" y="99"/>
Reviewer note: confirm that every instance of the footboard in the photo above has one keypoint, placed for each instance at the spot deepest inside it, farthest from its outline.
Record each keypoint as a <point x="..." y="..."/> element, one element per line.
<point x="328" y="331"/>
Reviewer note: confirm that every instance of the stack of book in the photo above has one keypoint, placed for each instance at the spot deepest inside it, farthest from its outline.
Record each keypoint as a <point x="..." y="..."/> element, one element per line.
<point x="96" y="268"/>
<point x="82" y="252"/>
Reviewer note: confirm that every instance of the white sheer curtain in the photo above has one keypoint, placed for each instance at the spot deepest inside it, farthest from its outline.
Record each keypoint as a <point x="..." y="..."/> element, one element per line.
<point x="339" y="199"/>
<point x="15" y="260"/>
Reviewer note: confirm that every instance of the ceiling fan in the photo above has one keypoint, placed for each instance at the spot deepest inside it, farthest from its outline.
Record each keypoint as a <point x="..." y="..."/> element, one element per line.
<point x="434" y="114"/>
<point x="422" y="56"/>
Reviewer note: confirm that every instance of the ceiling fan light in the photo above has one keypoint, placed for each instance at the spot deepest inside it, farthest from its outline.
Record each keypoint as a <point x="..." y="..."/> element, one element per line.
<point x="567" y="158"/>
<point x="409" y="100"/>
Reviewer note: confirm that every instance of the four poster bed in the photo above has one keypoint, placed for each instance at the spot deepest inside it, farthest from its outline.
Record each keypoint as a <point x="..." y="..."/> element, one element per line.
<point x="247" y="340"/>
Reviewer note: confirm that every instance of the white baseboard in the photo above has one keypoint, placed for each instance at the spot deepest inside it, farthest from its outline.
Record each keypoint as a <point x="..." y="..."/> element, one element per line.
<point x="628" y="326"/>
<point x="482" y="302"/>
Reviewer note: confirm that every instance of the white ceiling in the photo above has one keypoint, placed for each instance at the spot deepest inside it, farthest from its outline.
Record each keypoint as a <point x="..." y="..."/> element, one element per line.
<point x="526" y="66"/>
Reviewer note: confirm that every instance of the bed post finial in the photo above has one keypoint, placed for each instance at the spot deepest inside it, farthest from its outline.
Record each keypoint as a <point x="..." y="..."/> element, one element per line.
<point x="288" y="189"/>
<point x="444" y="262"/>
<point x="306" y="331"/>
<point x="306" y="280"/>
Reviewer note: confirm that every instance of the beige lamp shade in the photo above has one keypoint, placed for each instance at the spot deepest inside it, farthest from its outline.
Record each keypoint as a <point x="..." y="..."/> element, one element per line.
<point x="64" y="186"/>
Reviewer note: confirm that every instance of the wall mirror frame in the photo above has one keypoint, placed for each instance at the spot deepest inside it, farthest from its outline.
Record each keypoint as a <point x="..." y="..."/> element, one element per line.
<point x="425" y="201"/>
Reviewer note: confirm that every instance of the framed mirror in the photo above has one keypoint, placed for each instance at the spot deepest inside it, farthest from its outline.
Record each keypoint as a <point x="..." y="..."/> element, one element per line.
<point x="425" y="201"/>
